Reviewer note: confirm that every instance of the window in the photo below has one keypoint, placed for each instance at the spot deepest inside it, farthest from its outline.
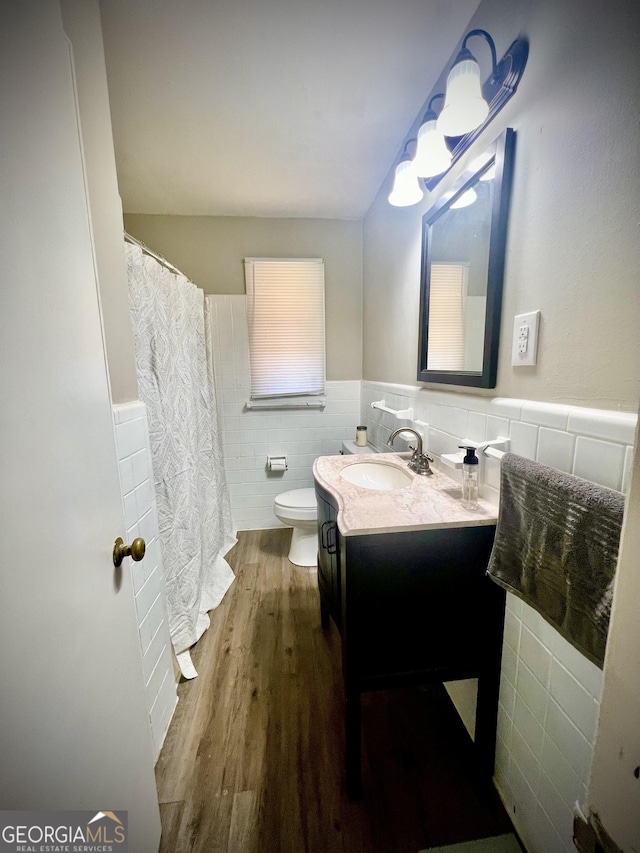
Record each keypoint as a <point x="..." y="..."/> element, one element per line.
<point x="447" y="297"/>
<point x="285" y="310"/>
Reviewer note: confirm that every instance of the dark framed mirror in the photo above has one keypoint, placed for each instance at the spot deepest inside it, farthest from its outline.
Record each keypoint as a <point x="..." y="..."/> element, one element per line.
<point x="463" y="252"/>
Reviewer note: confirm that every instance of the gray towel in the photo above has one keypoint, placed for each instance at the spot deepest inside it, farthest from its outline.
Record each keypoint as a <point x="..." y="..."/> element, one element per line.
<point x="556" y="547"/>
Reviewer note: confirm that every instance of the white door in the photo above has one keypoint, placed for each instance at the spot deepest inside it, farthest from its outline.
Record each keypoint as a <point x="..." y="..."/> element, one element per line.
<point x="73" y="728"/>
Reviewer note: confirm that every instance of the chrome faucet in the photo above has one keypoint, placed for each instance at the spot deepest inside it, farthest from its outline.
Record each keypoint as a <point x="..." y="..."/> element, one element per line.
<point x="419" y="462"/>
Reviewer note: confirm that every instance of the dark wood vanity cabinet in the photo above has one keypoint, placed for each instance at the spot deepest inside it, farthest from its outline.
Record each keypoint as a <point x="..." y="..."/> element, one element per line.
<point x="412" y="608"/>
<point x="328" y="562"/>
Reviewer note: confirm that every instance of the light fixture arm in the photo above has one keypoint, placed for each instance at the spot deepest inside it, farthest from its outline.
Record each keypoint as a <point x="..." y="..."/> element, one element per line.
<point x="430" y="113"/>
<point x="492" y="48"/>
<point x="405" y="152"/>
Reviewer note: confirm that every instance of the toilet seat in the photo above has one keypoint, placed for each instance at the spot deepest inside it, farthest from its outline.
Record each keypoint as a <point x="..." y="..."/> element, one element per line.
<point x="297" y="504"/>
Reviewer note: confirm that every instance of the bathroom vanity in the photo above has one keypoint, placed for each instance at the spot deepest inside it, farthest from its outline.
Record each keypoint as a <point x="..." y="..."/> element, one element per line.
<point x="401" y="572"/>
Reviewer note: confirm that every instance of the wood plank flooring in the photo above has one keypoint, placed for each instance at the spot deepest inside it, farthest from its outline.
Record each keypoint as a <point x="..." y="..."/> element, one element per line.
<point x="254" y="758"/>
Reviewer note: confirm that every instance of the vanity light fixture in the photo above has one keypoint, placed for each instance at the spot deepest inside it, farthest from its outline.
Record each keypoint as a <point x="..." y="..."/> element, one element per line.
<point x="406" y="189"/>
<point x="490" y="174"/>
<point x="467" y="198"/>
<point x="464" y="106"/>
<point x="478" y="165"/>
<point x="432" y="155"/>
<point x="469" y="107"/>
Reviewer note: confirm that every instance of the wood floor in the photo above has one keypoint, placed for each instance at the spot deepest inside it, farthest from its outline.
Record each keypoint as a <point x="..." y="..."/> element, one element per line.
<point x="254" y="758"/>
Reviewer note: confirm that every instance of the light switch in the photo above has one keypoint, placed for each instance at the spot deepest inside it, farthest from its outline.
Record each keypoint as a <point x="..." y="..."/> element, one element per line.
<point x="525" y="339"/>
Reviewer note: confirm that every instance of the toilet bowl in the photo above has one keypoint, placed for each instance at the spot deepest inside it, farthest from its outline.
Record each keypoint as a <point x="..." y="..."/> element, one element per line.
<point x="298" y="509"/>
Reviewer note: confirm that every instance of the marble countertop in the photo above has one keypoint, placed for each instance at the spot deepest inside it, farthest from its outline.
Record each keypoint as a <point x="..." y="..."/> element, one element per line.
<point x="427" y="503"/>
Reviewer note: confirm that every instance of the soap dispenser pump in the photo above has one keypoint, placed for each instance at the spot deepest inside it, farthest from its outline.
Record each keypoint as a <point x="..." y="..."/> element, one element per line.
<point x="469" y="478"/>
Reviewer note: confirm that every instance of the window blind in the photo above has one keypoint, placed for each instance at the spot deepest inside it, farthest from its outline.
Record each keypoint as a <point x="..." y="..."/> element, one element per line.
<point x="285" y="310"/>
<point x="447" y="296"/>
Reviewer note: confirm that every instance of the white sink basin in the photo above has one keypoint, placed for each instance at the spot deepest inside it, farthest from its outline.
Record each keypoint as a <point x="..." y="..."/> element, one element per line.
<point x="374" y="475"/>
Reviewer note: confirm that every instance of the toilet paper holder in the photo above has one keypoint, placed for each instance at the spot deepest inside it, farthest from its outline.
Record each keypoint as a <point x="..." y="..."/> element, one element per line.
<point x="277" y="463"/>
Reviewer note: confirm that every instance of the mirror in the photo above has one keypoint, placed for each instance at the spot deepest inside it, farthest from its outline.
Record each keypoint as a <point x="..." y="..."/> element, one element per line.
<point x="463" y="251"/>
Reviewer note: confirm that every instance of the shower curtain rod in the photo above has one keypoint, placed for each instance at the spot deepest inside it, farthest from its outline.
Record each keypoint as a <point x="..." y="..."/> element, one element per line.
<point x="165" y="263"/>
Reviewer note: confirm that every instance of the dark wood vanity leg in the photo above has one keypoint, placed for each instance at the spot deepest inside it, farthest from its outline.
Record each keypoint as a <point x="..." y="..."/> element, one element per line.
<point x="489" y="686"/>
<point x="487" y="720"/>
<point x="324" y="615"/>
<point x="353" y="744"/>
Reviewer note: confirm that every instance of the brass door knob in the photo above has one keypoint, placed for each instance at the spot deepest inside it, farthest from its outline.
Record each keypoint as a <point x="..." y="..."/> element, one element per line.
<point x="135" y="551"/>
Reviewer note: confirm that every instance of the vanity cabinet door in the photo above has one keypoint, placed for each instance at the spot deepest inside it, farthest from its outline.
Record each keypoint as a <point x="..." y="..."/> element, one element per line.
<point x="419" y="604"/>
<point x="328" y="559"/>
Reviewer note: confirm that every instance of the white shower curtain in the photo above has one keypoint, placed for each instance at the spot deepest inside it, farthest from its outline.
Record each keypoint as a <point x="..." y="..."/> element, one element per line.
<point x="175" y="381"/>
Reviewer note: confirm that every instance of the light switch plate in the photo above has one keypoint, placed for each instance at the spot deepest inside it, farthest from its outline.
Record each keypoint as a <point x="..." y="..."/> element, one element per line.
<point x="525" y="339"/>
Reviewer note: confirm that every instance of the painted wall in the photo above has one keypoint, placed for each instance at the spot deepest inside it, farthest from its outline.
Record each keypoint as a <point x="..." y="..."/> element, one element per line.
<point x="573" y="249"/>
<point x="210" y="250"/>
<point x="82" y="25"/>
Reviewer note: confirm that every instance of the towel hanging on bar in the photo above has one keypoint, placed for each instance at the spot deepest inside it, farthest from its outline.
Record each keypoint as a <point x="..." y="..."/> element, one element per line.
<point x="556" y="547"/>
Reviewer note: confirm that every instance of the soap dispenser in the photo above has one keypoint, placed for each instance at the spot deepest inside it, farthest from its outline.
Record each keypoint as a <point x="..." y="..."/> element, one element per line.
<point x="469" y="478"/>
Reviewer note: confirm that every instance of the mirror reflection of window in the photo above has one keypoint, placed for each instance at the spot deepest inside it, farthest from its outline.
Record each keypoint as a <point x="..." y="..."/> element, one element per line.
<point x="447" y="312"/>
<point x="461" y="239"/>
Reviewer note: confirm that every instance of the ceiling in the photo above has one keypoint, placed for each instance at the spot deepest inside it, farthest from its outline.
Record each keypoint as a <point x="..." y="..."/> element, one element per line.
<point x="278" y="108"/>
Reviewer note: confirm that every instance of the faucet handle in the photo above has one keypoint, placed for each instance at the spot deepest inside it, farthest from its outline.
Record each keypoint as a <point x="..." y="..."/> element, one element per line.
<point x="421" y="456"/>
<point x="419" y="463"/>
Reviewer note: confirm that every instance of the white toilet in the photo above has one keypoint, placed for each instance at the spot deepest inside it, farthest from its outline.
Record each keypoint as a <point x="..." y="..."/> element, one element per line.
<point x="298" y="509"/>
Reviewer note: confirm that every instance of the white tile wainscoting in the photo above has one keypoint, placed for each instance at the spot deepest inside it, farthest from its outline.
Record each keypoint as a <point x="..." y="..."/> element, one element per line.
<point x="140" y="514"/>
<point x="549" y="693"/>
<point x="590" y="443"/>
<point x="249" y="436"/>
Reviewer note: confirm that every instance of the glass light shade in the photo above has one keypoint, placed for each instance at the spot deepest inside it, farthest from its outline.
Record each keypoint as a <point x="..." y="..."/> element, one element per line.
<point x="406" y="189"/>
<point x="465" y="199"/>
<point x="480" y="162"/>
<point x="464" y="107"/>
<point x="432" y="155"/>
<point x="490" y="174"/>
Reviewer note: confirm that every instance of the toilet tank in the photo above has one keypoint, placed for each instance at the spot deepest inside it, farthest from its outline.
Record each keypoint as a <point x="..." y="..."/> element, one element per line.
<point x="350" y="447"/>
